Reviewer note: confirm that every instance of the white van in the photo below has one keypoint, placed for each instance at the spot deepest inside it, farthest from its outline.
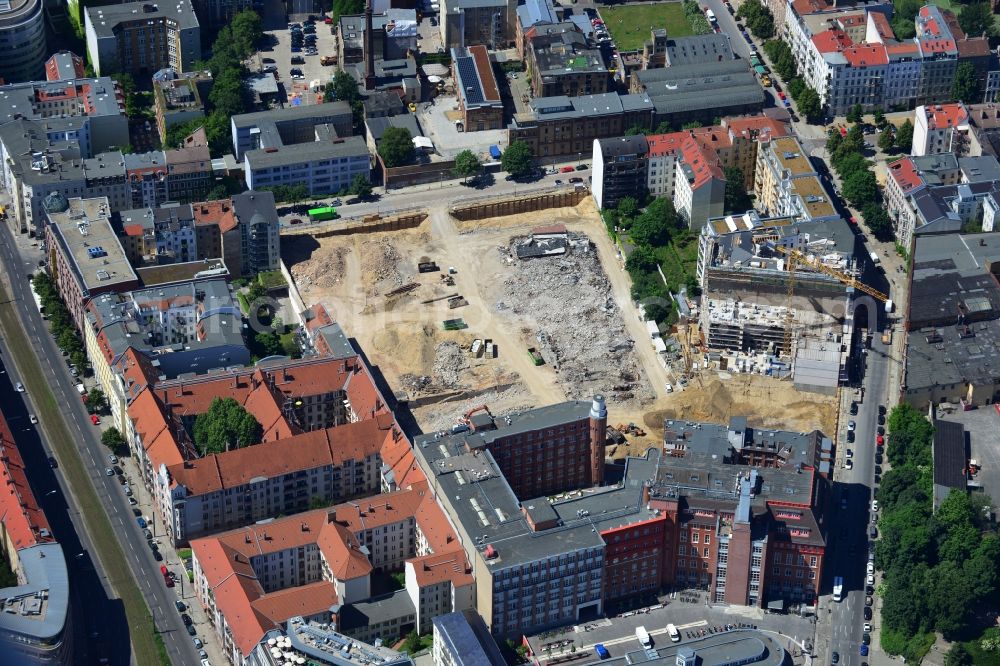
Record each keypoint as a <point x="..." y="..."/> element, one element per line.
<point x="675" y="635"/>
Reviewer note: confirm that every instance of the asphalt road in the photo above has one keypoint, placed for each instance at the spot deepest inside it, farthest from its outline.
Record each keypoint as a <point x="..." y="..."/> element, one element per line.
<point x="111" y="626"/>
<point x="728" y="25"/>
<point x="849" y="532"/>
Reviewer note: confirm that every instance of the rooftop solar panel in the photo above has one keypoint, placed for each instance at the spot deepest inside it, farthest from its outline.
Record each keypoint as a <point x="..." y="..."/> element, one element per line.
<point x="471" y="84"/>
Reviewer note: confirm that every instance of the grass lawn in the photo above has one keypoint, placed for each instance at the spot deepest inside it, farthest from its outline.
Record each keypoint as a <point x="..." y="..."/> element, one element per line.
<point x="679" y="259"/>
<point x="629" y="25"/>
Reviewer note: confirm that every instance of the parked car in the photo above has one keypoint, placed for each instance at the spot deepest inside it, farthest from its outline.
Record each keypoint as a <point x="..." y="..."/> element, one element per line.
<point x="95" y="419"/>
<point x="19" y="387"/>
<point x="191" y="630"/>
<point x="576" y="180"/>
<point x="52" y="462"/>
<point x="136" y="511"/>
<point x="113" y="459"/>
<point x="141" y="522"/>
<point x="180" y="605"/>
<point x="108" y="471"/>
<point x="186" y="619"/>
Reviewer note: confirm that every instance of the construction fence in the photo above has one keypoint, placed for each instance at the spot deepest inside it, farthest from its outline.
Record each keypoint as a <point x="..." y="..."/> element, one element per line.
<point x="504" y="207"/>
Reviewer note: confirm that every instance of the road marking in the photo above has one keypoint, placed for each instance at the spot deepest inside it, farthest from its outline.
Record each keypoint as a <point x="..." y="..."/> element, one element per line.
<point x="692" y="625"/>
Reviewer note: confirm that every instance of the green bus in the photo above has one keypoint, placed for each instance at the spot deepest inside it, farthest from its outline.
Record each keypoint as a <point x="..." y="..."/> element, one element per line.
<point x="321" y="214"/>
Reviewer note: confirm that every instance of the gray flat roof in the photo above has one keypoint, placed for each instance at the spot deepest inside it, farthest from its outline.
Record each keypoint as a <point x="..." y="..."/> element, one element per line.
<point x="86" y="235"/>
<point x="22" y="98"/>
<point x="467" y="639"/>
<point x="944" y="356"/>
<point x="965" y="253"/>
<point x="39" y="607"/>
<point x="337" y="341"/>
<point x="949" y="454"/>
<point x="106" y="18"/>
<point x="322" y="112"/>
<point x="376" y="610"/>
<point x="298" y="153"/>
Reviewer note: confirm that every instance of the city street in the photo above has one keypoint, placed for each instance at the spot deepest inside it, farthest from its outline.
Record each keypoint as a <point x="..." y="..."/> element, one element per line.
<point x="93" y="456"/>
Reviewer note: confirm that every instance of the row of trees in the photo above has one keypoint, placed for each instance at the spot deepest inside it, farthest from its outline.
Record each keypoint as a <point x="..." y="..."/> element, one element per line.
<point x="759" y="19"/>
<point x="806" y="98"/>
<point x="940" y="567"/>
<point x="858" y="184"/>
<point x="60" y="321"/>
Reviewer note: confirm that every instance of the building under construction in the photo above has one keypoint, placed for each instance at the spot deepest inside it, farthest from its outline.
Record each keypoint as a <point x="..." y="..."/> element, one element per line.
<point x="753" y="303"/>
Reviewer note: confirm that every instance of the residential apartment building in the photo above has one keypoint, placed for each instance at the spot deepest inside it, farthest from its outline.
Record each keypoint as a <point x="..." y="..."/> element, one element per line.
<point x="478" y="94"/>
<point x="142" y="38"/>
<point x="851" y="55"/>
<point x="180" y="100"/>
<point x="292" y="124"/>
<point x="940" y="193"/>
<point x="733" y="143"/>
<point x="85" y="257"/>
<point x="489" y="23"/>
<point x="317" y="640"/>
<point x="536" y="17"/>
<point x="699" y="185"/>
<point x="564" y="63"/>
<point x="22" y="40"/>
<point x="618" y="169"/>
<point x="245" y="231"/>
<point x="555" y="126"/>
<point x="64" y="66"/>
<point x="941" y="128"/>
<point x="320" y="558"/>
<point x="785" y="182"/>
<point x="36" y="626"/>
<point x="188" y="327"/>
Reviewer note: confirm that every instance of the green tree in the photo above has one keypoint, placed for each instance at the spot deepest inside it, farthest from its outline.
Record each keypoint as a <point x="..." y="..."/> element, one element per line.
<point x="910" y="436"/>
<point x="834" y="139"/>
<point x="958" y="655"/>
<point x="246" y="29"/>
<point x="879" y="117"/>
<point x="641" y="259"/>
<point x="226" y="425"/>
<point x="796" y="87"/>
<point x="346" y="8"/>
<point x="360" y="187"/>
<point x="627" y="208"/>
<point x="965" y="87"/>
<point x="850" y="162"/>
<point x="216" y="193"/>
<point x="396" y="147"/>
<point x="860" y="188"/>
<point x="762" y="25"/>
<point x="96" y="399"/>
<point x="976" y="19"/>
<point x="466" y="164"/>
<point x="809" y="104"/>
<point x="412" y="644"/>
<point x="517" y="160"/>
<point x="855" y="113"/>
<point x="177" y="133"/>
<point x="736" y="198"/>
<point x="345" y="87"/>
<point x="904" y="136"/>
<point x="79" y="360"/>
<point x="268" y="343"/>
<point x="112" y="438"/>
<point x="877" y="219"/>
<point x="886" y="141"/>
<point x="655" y="224"/>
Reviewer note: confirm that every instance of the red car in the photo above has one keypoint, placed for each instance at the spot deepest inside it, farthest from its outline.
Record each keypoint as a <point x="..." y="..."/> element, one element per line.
<point x="567" y="169"/>
<point x="94" y="419"/>
<point x="781" y="95"/>
<point x="880" y="440"/>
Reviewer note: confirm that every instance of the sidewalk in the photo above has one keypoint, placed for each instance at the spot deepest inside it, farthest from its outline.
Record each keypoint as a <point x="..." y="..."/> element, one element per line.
<point x="184" y="588"/>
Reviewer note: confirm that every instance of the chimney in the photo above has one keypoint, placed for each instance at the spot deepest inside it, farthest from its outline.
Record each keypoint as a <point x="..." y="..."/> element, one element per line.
<point x="369" y="49"/>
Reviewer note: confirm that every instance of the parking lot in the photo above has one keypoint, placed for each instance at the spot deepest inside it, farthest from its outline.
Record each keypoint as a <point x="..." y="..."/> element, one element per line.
<point x="617" y="634"/>
<point x="278" y="54"/>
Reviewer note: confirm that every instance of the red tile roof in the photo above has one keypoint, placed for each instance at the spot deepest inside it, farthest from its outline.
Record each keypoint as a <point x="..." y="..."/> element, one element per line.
<point x="485" y="68"/>
<point x="832" y="40"/>
<point x="752" y="127"/>
<point x="904" y="172"/>
<point x="441" y="567"/>
<point x="882" y="26"/>
<point x="317" y="317"/>
<point x="852" y="20"/>
<point x="867" y="55"/>
<point x="665" y="144"/>
<point x="306" y="600"/>
<point x="218" y="212"/>
<point x="398" y="455"/>
<point x="941" y="116"/>
<point x="22" y="518"/>
<point x="309" y="450"/>
<point x="704" y="164"/>
<point x="343" y="553"/>
<point x="803" y="7"/>
<point x="901" y="49"/>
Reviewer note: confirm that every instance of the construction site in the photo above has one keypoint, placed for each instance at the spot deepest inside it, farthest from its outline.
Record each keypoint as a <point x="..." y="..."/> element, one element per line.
<point x="519" y="311"/>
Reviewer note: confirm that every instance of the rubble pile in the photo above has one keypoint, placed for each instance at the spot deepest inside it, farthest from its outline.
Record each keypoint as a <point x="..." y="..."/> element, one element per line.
<point x="324" y="271"/>
<point x="578" y="325"/>
<point x="380" y="266"/>
<point x="451" y="363"/>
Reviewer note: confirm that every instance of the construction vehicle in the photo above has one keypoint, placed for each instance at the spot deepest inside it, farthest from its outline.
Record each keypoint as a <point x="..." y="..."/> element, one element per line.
<point x="328" y="60"/>
<point x="536" y="357"/>
<point x="427" y="267"/>
<point x="477" y="347"/>
<point x="455" y="324"/>
<point x="887" y="336"/>
<point x="478" y="408"/>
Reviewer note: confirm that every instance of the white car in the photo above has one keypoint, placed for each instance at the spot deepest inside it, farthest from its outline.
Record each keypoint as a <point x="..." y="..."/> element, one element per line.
<point x="874" y="505"/>
<point x="668" y="388"/>
<point x="870" y="579"/>
<point x="848" y="464"/>
<point x="870" y="569"/>
<point x="848" y="453"/>
<point x="19" y="387"/>
<point x="32" y="418"/>
<point x="867" y="627"/>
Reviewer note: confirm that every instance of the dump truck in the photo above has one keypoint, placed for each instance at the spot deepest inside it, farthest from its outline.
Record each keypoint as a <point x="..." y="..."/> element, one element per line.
<point x="536" y="357"/>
